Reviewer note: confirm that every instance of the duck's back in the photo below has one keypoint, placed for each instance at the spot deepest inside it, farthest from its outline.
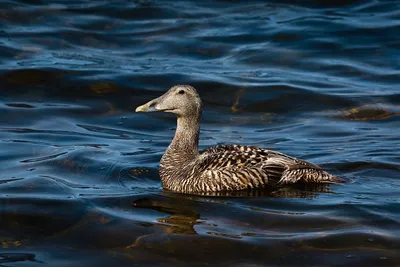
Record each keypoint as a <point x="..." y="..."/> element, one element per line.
<point x="236" y="167"/>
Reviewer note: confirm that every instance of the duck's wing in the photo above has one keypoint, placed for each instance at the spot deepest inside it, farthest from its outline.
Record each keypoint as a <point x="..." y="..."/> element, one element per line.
<point x="226" y="169"/>
<point x="247" y="166"/>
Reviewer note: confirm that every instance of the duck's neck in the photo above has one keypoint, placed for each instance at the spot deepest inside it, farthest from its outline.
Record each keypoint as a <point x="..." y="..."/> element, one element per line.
<point x="183" y="149"/>
<point x="176" y="164"/>
<point x="186" y="139"/>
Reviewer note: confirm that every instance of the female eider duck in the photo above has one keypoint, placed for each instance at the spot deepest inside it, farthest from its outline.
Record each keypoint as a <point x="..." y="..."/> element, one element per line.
<point x="223" y="167"/>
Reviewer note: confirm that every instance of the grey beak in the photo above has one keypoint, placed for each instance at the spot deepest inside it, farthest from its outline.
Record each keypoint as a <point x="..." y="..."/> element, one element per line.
<point x="148" y="107"/>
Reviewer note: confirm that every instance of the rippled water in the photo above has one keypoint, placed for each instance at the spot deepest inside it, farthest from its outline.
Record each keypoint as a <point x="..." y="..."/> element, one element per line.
<point x="79" y="185"/>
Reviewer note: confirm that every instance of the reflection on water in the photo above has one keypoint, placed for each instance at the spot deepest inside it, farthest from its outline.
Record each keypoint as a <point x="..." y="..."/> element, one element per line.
<point x="79" y="184"/>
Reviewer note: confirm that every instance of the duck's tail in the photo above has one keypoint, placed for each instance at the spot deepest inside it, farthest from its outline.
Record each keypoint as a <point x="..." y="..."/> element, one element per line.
<point x="309" y="175"/>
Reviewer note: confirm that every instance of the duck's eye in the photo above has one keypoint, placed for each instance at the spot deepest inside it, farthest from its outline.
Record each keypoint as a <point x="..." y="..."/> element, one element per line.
<point x="181" y="92"/>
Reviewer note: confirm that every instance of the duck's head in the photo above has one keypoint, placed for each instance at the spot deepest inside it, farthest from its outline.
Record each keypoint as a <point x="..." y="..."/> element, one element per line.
<point x="182" y="100"/>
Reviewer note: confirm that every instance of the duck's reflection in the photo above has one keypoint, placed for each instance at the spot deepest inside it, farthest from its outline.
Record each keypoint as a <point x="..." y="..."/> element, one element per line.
<point x="183" y="210"/>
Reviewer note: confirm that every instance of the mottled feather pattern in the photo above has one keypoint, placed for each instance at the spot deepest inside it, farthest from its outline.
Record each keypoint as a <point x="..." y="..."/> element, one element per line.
<point x="236" y="167"/>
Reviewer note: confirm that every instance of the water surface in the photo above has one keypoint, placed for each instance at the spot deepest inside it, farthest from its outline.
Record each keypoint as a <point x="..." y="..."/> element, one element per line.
<point x="79" y="185"/>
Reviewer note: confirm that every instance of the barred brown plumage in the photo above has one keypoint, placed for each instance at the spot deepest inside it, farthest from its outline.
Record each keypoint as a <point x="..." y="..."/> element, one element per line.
<point x="223" y="167"/>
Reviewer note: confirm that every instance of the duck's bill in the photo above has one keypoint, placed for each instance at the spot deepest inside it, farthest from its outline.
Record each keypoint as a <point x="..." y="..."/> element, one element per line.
<point x="148" y="107"/>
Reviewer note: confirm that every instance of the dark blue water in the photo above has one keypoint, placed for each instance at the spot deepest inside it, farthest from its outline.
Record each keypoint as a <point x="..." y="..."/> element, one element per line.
<point x="319" y="80"/>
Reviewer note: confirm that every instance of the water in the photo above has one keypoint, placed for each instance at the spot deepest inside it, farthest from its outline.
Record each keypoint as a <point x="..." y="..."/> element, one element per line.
<point x="79" y="186"/>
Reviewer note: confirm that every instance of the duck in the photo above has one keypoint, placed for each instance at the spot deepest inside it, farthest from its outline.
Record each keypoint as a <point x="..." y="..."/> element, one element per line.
<point x="226" y="167"/>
